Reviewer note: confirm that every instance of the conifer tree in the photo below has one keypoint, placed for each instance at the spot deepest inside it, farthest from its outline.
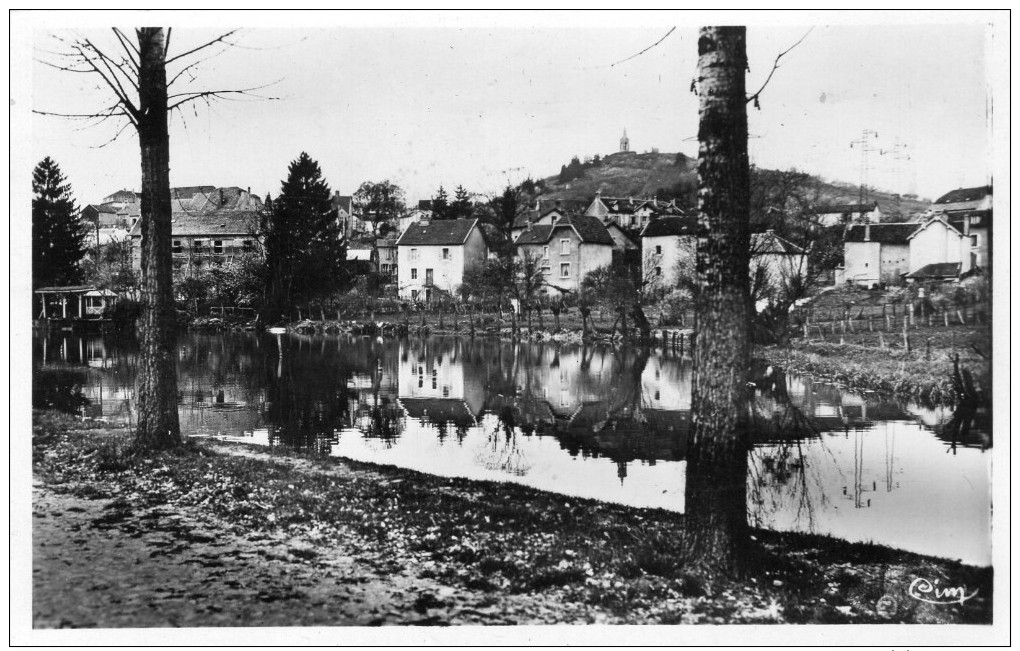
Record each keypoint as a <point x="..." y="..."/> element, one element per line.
<point x="461" y="207"/>
<point x="440" y="204"/>
<point x="58" y="234"/>
<point x="305" y="250"/>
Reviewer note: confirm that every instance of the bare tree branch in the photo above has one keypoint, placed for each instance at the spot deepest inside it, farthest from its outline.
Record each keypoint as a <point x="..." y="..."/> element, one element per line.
<point x="775" y="66"/>
<point x="115" y="136"/>
<point x="219" y="39"/>
<point x="219" y="94"/>
<point x="128" y="46"/>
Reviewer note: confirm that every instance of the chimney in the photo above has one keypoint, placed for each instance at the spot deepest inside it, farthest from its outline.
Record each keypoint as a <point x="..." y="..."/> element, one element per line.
<point x="527" y="225"/>
<point x="558" y="203"/>
<point x="867" y="232"/>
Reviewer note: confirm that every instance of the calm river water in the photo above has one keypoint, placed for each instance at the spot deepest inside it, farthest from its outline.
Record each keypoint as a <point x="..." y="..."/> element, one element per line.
<point x="586" y="421"/>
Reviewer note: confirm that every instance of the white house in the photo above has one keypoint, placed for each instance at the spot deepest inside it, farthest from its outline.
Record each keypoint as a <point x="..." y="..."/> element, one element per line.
<point x="434" y="254"/>
<point x="667" y="245"/>
<point x="875" y="254"/>
<point x="568" y="250"/>
<point x="775" y="262"/>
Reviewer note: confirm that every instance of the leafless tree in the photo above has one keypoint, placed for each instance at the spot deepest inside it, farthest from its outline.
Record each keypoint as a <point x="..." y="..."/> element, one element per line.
<point x="135" y="73"/>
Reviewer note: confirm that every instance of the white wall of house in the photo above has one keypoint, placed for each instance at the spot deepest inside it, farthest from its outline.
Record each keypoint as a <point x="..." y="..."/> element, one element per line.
<point x="447" y="263"/>
<point x="894" y="261"/>
<point x="566" y="260"/>
<point x="660" y="258"/>
<point x="779" y="268"/>
<point x="936" y="242"/>
<point x="862" y="262"/>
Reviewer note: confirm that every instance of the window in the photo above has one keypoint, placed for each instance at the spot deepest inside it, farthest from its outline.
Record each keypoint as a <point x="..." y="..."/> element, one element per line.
<point x="247" y="245"/>
<point x="973" y="240"/>
<point x="217" y="247"/>
<point x="414" y="297"/>
<point x="565" y="270"/>
<point x="199" y="246"/>
<point x="414" y="275"/>
<point x="565" y="247"/>
<point x="547" y="270"/>
<point x="446" y="254"/>
<point x="428" y="276"/>
<point x="177" y="247"/>
<point x="545" y="252"/>
<point x="414" y="254"/>
<point x="658" y="271"/>
<point x="658" y="249"/>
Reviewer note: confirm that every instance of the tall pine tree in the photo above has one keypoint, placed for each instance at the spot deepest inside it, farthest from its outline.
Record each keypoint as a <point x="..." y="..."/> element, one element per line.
<point x="440" y="205"/>
<point x="305" y="249"/>
<point x="461" y="208"/>
<point x="58" y="233"/>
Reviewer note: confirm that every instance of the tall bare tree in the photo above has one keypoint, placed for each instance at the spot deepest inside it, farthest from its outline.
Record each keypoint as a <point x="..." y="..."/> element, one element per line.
<point x="136" y="75"/>
<point x="715" y="530"/>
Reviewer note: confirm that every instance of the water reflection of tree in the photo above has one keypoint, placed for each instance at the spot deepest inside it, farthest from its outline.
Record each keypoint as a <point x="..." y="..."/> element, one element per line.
<point x="306" y="394"/>
<point x="502" y="451"/>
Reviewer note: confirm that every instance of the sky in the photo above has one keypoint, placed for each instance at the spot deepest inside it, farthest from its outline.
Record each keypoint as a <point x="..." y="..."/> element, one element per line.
<point x="426" y="101"/>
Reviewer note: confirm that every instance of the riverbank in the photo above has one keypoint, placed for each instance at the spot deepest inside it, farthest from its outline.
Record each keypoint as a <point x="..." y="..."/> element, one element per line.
<point x="229" y="535"/>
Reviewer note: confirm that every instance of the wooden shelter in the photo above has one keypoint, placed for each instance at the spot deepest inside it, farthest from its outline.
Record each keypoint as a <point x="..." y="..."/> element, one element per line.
<point x="75" y="302"/>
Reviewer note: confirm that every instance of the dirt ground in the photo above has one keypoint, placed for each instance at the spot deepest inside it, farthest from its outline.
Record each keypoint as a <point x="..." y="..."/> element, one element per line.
<point x="154" y="567"/>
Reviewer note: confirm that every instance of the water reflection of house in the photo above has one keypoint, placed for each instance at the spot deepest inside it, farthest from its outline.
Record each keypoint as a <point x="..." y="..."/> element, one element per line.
<point x="435" y="385"/>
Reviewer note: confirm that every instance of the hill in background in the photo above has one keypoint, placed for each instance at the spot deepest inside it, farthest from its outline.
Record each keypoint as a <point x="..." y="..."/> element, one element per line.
<point x="630" y="174"/>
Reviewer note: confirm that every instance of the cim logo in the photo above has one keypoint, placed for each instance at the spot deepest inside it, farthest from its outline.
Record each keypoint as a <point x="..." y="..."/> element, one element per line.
<point x="930" y="592"/>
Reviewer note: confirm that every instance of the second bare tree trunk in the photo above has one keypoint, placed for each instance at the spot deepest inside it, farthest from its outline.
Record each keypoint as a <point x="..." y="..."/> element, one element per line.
<point x="715" y="530"/>
<point x="158" y="425"/>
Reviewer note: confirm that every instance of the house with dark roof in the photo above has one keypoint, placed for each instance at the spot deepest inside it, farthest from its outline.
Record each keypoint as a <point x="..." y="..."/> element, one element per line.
<point x="568" y="250"/>
<point x="969" y="210"/>
<point x="936" y="241"/>
<point x="630" y="212"/>
<point x="667" y="249"/>
<point x="775" y="262"/>
<point x="875" y="254"/>
<point x="207" y="230"/>
<point x="432" y="256"/>
<point x="847" y="213"/>
<point x="963" y="200"/>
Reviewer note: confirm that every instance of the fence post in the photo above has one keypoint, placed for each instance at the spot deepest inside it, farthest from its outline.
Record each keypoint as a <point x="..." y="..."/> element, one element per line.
<point x="881" y="340"/>
<point x="906" y="337"/>
<point x="945" y="316"/>
<point x="870" y="325"/>
<point x="806" y="336"/>
<point x="927" y="349"/>
<point x="960" y="316"/>
<point x="912" y="322"/>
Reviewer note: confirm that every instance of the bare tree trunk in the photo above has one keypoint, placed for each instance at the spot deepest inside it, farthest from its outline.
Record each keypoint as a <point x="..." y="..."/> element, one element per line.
<point x="158" y="424"/>
<point x="715" y="528"/>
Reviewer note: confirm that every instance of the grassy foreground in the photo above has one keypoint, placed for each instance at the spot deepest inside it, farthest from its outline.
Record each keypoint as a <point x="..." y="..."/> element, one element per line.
<point x="613" y="563"/>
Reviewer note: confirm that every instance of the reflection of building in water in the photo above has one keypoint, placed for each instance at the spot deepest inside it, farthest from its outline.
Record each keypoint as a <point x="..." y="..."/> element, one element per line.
<point x="435" y="384"/>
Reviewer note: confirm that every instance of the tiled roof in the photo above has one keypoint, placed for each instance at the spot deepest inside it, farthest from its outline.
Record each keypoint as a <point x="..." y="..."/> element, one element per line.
<point x="881" y="233"/>
<point x="343" y="202"/>
<point x="231" y="198"/>
<point x="224" y="222"/>
<point x="590" y="229"/>
<point x="437" y="232"/>
<point x="670" y="226"/>
<point x="936" y="271"/>
<point x="186" y="192"/>
<point x="535" y="235"/>
<point x="965" y="194"/>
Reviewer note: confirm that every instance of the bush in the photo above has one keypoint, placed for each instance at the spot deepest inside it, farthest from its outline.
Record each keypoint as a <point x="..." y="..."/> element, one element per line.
<point x="124" y="313"/>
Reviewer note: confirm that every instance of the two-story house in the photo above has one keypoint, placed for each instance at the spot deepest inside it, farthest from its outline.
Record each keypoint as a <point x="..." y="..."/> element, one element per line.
<point x="567" y="250"/>
<point x="667" y="249"/>
<point x="432" y="256"/>
<point x="210" y="229"/>
<point x="386" y="256"/>
<point x="969" y="210"/>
